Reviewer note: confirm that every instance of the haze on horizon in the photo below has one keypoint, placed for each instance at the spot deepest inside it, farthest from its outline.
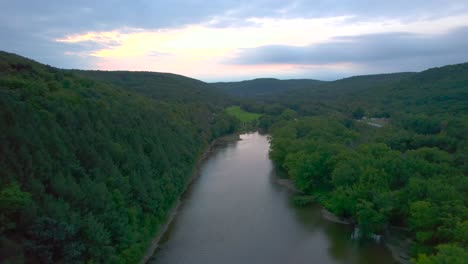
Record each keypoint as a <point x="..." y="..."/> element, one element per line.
<point x="234" y="40"/>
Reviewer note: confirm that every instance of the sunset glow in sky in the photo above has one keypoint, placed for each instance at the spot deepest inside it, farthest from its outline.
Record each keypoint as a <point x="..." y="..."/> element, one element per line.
<point x="234" y="40"/>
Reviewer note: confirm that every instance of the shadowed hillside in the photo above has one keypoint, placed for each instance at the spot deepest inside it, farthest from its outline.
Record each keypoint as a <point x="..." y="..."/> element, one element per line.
<point x="160" y="86"/>
<point x="88" y="170"/>
<point x="260" y="88"/>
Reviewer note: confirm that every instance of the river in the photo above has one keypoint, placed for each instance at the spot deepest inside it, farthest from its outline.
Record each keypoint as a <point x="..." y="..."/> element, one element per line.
<point x="236" y="212"/>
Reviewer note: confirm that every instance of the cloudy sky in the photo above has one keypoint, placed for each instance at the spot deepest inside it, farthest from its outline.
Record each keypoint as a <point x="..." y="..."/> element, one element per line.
<point x="239" y="39"/>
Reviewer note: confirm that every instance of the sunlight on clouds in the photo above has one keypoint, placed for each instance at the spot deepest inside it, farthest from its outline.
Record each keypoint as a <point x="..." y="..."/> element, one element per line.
<point x="199" y="50"/>
<point x="204" y="41"/>
<point x="99" y="37"/>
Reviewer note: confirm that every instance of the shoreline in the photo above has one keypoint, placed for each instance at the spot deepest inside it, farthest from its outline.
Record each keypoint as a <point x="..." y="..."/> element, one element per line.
<point x="398" y="246"/>
<point x="211" y="148"/>
<point x="392" y="242"/>
<point x="288" y="184"/>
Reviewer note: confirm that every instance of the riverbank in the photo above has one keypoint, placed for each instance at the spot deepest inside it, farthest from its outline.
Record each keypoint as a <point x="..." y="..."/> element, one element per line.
<point x="215" y="145"/>
<point x="395" y="242"/>
<point x="234" y="212"/>
<point x="289" y="184"/>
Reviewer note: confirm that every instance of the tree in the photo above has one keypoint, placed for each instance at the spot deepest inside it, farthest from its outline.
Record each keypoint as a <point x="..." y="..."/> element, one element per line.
<point x="12" y="202"/>
<point x="358" y="113"/>
<point x="447" y="254"/>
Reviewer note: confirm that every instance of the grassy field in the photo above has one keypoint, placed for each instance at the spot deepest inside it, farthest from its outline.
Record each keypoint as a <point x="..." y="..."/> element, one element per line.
<point x="241" y="114"/>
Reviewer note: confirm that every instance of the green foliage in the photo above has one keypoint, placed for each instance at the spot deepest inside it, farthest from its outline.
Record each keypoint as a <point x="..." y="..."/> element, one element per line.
<point x="411" y="173"/>
<point x="13" y="202"/>
<point x="12" y="199"/>
<point x="89" y="170"/>
<point x="430" y="93"/>
<point x="92" y="161"/>
<point x="160" y="86"/>
<point x="446" y="254"/>
<point x="303" y="200"/>
<point x="224" y="124"/>
<point x="241" y="114"/>
<point x="51" y="241"/>
<point x="260" y="88"/>
<point x="358" y="113"/>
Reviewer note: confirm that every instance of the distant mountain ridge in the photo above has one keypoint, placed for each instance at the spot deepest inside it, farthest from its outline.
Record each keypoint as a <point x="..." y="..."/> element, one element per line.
<point x="160" y="86"/>
<point x="92" y="161"/>
<point x="261" y="87"/>
<point x="446" y="87"/>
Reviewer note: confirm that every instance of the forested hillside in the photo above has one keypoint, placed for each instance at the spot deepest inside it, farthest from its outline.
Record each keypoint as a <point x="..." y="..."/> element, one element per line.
<point x="92" y="161"/>
<point x="264" y="87"/>
<point x="408" y="173"/>
<point x="161" y="86"/>
<point x="440" y="89"/>
<point x="197" y="97"/>
<point x="340" y="94"/>
<point x="88" y="170"/>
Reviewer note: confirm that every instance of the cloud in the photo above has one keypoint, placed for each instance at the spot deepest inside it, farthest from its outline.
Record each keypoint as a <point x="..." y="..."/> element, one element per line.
<point x="385" y="50"/>
<point x="58" y="17"/>
<point x="87" y="34"/>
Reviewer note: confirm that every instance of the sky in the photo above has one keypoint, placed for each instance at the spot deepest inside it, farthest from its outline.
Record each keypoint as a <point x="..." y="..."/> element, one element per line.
<point x="229" y="40"/>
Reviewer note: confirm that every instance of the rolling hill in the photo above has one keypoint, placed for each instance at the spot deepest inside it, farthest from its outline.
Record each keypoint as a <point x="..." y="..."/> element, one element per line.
<point x="91" y="163"/>
<point x="434" y="90"/>
<point x="265" y="87"/>
<point x="160" y="86"/>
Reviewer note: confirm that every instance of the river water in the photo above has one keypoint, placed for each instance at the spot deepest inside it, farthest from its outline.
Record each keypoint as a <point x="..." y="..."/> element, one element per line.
<point x="236" y="212"/>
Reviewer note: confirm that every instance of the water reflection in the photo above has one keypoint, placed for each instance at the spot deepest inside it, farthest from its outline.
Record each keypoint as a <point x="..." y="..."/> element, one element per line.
<point x="237" y="212"/>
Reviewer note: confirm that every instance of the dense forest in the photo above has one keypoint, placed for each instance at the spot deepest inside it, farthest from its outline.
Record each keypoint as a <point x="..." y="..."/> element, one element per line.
<point x="264" y="87"/>
<point x="161" y="86"/>
<point x="388" y="152"/>
<point x="91" y="162"/>
<point x="88" y="169"/>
